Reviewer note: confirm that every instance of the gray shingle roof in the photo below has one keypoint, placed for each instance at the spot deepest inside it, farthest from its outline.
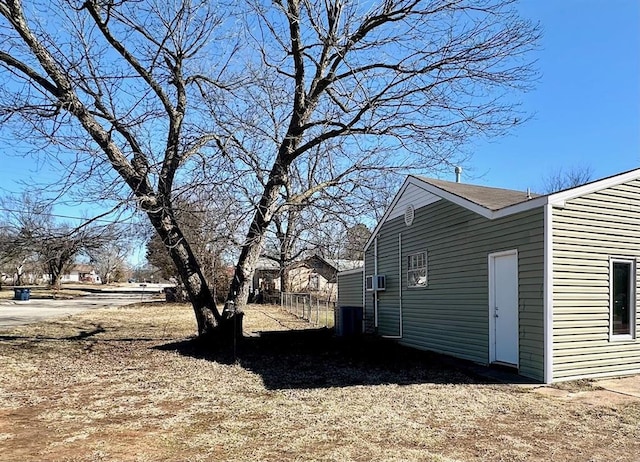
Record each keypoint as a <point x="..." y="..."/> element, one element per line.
<point x="490" y="198"/>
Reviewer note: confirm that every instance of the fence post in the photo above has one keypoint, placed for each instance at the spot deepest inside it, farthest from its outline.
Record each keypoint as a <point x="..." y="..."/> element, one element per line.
<point x="304" y="307"/>
<point x="326" y="315"/>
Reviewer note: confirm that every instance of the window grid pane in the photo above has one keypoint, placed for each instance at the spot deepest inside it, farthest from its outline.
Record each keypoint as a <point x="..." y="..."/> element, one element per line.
<point x="417" y="270"/>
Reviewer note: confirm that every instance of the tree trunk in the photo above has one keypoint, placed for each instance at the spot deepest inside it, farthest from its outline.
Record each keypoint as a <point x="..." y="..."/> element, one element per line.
<point x="284" y="278"/>
<point x="204" y="306"/>
<point x="55" y="272"/>
<point x="240" y="284"/>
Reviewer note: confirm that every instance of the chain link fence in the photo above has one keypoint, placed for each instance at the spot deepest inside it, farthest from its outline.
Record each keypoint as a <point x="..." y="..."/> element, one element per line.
<point x="318" y="312"/>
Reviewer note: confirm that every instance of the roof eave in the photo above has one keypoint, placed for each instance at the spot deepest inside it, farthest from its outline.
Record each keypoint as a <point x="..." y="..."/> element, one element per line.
<point x="556" y="199"/>
<point x="484" y="211"/>
<point x="559" y="198"/>
<point x="465" y="203"/>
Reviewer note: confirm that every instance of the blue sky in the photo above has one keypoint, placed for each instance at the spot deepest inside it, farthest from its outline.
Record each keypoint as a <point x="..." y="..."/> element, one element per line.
<point x="586" y="107"/>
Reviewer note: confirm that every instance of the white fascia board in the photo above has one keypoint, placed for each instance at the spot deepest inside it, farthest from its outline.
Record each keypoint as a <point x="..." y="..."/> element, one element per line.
<point x="559" y="198"/>
<point x="409" y="180"/>
<point x="521" y="207"/>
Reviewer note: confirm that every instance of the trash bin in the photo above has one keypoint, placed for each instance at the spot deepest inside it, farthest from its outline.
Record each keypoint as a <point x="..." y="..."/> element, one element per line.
<point x="349" y="321"/>
<point x="175" y="295"/>
<point x="21" y="294"/>
<point x="171" y="294"/>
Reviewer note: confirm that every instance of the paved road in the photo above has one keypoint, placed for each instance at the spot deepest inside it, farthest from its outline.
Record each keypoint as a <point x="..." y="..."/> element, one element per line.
<point x="16" y="313"/>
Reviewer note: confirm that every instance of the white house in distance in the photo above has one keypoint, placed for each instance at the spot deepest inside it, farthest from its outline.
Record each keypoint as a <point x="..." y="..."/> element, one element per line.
<point x="546" y="284"/>
<point x="81" y="273"/>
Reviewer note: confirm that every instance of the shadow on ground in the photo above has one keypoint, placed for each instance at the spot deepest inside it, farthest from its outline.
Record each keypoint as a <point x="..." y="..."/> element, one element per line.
<point x="318" y="359"/>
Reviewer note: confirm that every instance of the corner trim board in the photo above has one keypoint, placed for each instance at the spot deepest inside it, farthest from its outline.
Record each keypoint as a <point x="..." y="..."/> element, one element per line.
<point x="548" y="294"/>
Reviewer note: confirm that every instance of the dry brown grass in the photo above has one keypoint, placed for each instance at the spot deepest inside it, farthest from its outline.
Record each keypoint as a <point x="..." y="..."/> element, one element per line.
<point x="127" y="384"/>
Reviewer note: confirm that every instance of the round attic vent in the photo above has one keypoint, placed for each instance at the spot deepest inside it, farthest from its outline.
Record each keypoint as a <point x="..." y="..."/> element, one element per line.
<point x="409" y="214"/>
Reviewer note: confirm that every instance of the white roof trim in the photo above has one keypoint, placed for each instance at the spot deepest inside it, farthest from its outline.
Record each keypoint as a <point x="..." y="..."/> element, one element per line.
<point x="561" y="197"/>
<point x="409" y="180"/>
<point x="521" y="207"/>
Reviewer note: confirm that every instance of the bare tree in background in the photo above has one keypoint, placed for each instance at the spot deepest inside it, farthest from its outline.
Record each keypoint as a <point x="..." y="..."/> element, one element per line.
<point x="31" y="231"/>
<point x="59" y="246"/>
<point x="15" y="258"/>
<point x="16" y="252"/>
<point x="355" y="240"/>
<point x="567" y="178"/>
<point x="306" y="207"/>
<point x="151" y="95"/>
<point x="110" y="259"/>
<point x="210" y="223"/>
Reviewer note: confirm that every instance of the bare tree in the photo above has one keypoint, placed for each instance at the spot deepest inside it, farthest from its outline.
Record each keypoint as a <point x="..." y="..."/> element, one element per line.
<point x="59" y="246"/>
<point x="14" y="256"/>
<point x="32" y="232"/>
<point x="565" y="179"/>
<point x="111" y="82"/>
<point x="293" y="238"/>
<point x="210" y="226"/>
<point x="388" y="86"/>
<point x="110" y="257"/>
<point x="17" y="214"/>
<point x="355" y="240"/>
<point x="152" y="95"/>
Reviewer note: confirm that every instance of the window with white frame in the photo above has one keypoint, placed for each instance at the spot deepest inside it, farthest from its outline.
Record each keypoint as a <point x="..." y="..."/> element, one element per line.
<point x="622" y="315"/>
<point x="417" y="270"/>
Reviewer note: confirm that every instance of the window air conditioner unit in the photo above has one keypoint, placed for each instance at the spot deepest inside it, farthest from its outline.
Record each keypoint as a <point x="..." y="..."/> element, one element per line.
<point x="369" y="283"/>
<point x="376" y="283"/>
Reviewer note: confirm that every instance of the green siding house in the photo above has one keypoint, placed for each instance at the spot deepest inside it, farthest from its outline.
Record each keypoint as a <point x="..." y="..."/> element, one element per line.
<point x="543" y="284"/>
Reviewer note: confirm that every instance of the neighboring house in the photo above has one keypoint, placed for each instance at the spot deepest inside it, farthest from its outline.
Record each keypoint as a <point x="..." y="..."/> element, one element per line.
<point x="317" y="275"/>
<point x="266" y="276"/>
<point x="544" y="284"/>
<point x="313" y="275"/>
<point x="81" y="273"/>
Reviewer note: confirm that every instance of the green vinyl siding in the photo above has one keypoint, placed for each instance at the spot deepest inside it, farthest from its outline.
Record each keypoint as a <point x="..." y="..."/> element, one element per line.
<point x="368" y="315"/>
<point x="586" y="233"/>
<point x="451" y="314"/>
<point x="350" y="288"/>
<point x="389" y="299"/>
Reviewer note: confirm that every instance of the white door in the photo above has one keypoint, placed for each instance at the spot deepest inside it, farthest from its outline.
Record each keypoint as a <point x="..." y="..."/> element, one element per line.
<point x="503" y="309"/>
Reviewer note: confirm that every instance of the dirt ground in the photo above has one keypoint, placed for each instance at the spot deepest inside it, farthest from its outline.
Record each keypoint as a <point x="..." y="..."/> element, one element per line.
<point x="130" y="384"/>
